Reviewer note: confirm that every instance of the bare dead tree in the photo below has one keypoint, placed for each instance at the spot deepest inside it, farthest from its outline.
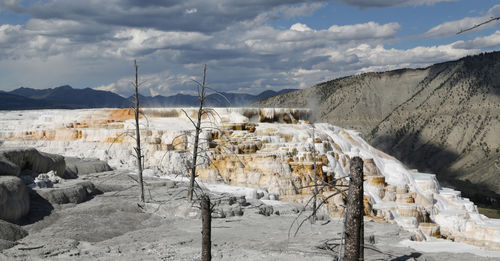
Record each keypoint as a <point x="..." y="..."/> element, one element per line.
<point x="204" y="198"/>
<point x="201" y="96"/>
<point x="200" y="146"/>
<point x="138" y="134"/>
<point x="478" y="25"/>
<point x="354" y="215"/>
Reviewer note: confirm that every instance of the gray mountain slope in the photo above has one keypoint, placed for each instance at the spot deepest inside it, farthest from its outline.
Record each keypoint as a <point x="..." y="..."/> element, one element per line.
<point x="442" y="119"/>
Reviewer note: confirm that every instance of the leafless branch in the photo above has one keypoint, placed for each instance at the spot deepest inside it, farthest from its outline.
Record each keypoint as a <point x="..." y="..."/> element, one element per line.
<point x="189" y="117"/>
<point x="480" y="24"/>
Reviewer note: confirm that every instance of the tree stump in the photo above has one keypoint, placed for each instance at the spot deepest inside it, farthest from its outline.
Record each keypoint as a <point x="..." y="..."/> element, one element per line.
<point x="354" y="215"/>
<point x="206" y="229"/>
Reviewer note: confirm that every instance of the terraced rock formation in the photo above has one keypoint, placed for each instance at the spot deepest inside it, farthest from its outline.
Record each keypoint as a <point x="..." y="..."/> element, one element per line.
<point x="442" y="119"/>
<point x="273" y="150"/>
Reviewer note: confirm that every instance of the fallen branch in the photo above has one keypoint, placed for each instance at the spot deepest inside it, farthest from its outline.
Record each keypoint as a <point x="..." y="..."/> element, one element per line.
<point x="30" y="248"/>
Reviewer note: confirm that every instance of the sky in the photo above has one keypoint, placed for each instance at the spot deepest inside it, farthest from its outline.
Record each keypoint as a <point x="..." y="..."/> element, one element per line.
<point x="249" y="46"/>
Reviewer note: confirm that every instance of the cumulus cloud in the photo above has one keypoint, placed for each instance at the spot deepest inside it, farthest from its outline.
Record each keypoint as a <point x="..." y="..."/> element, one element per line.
<point x="300" y="27"/>
<point x="139" y="42"/>
<point x="10" y="36"/>
<point x="488" y="41"/>
<point x="161" y="83"/>
<point x="452" y="27"/>
<point x="8" y="33"/>
<point x="365" y="31"/>
<point x="379" y="58"/>
<point x="18" y="43"/>
<point x="22" y="41"/>
<point x="267" y="40"/>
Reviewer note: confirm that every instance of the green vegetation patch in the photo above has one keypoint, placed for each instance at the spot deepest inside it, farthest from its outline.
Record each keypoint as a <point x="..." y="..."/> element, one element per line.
<point x="491" y="213"/>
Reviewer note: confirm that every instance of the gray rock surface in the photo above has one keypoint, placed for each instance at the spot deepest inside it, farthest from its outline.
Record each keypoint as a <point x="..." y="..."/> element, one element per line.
<point x="5" y="244"/>
<point x="11" y="232"/>
<point x="68" y="192"/>
<point x="14" y="198"/>
<point x="14" y="161"/>
<point x="78" y="166"/>
<point x="112" y="226"/>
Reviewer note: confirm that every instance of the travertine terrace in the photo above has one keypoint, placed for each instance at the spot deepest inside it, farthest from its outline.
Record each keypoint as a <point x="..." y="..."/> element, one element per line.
<point x="269" y="149"/>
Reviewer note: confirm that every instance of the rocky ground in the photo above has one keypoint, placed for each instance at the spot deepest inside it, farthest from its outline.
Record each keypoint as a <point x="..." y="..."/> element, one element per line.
<point x="110" y="225"/>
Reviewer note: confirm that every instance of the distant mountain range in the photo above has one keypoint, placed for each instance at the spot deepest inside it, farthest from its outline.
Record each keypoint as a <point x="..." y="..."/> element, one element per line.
<point x="69" y="98"/>
<point x="222" y="99"/>
<point x="15" y="102"/>
<point x="66" y="97"/>
<point x="441" y="119"/>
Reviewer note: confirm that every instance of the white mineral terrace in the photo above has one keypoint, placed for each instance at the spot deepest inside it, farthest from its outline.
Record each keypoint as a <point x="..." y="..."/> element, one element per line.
<point x="270" y="149"/>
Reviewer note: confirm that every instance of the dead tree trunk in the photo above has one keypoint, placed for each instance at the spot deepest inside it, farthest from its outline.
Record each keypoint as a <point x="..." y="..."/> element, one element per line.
<point x="206" y="229"/>
<point x="362" y="237"/>
<point x="138" y="135"/>
<point x="315" y="177"/>
<point x="354" y="215"/>
<point x="201" y="95"/>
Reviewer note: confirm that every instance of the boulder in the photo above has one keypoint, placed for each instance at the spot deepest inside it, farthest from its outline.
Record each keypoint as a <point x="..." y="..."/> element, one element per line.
<point x="77" y="166"/>
<point x="14" y="198"/>
<point x="266" y="210"/>
<point x="11" y="232"/>
<point x="14" y="161"/>
<point x="46" y="180"/>
<point x="228" y="211"/>
<point x="75" y="193"/>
